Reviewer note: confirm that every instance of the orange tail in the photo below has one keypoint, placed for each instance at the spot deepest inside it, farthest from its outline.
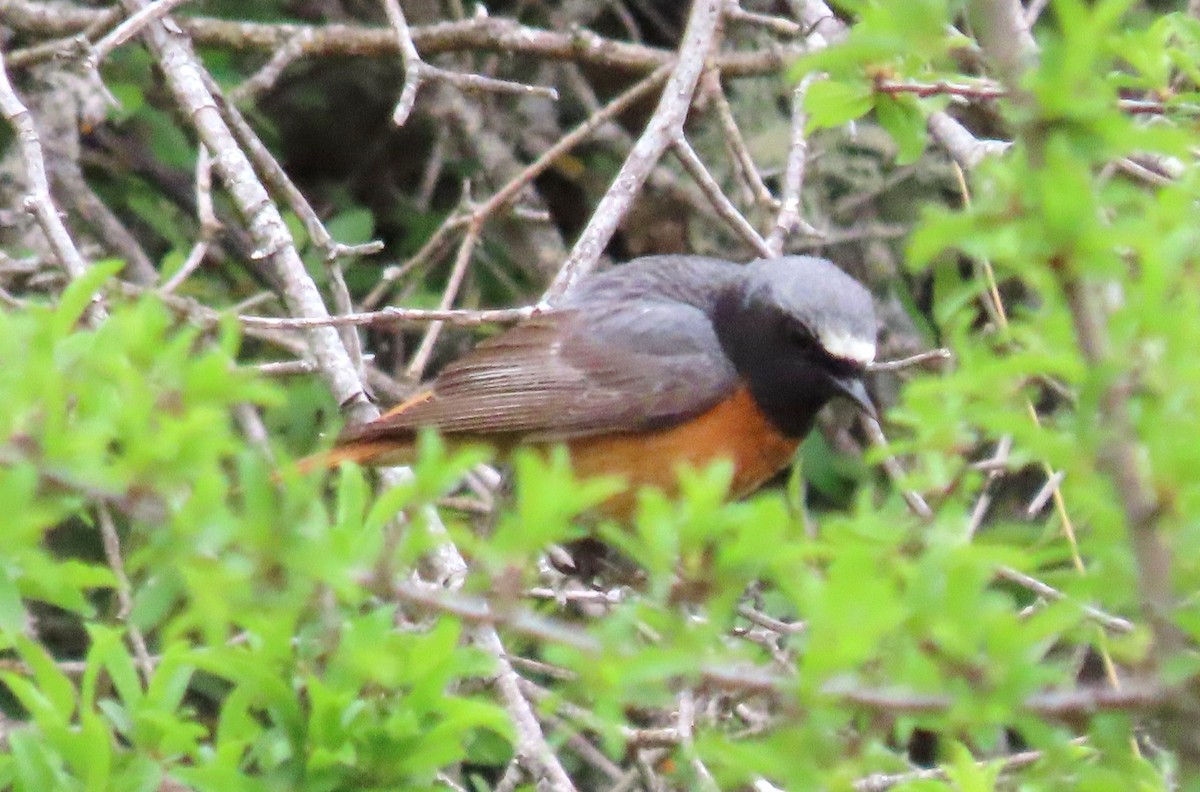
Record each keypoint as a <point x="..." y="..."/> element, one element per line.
<point x="363" y="453"/>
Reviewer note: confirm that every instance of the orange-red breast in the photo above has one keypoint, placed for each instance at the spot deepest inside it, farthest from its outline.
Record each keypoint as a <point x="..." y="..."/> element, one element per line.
<point x="662" y="361"/>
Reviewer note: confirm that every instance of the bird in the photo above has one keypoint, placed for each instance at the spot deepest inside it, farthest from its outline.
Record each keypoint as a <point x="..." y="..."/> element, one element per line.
<point x="663" y="361"/>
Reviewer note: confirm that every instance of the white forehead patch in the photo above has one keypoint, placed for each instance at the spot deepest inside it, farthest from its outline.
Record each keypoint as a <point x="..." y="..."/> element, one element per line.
<point x="843" y="345"/>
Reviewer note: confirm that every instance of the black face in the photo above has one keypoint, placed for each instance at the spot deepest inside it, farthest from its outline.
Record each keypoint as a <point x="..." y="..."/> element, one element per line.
<point x="790" y="375"/>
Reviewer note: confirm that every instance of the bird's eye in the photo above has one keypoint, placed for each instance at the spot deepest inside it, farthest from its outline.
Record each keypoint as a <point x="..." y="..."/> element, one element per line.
<point x="800" y="336"/>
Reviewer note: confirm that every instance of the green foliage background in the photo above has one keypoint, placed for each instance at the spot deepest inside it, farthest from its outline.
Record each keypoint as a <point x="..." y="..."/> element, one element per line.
<point x="283" y="656"/>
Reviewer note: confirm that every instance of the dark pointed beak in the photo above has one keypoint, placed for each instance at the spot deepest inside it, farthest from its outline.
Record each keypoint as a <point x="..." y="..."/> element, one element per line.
<point x="852" y="388"/>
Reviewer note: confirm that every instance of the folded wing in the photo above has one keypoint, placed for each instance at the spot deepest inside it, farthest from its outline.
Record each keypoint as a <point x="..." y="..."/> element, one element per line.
<point x="604" y="368"/>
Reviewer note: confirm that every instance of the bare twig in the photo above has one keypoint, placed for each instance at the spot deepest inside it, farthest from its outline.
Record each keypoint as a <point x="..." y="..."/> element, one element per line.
<point x="209" y="224"/>
<point x="1046" y="591"/>
<point x="417" y="71"/>
<point x="398" y="316"/>
<point x="686" y="722"/>
<point x="915" y="502"/>
<point x="778" y="25"/>
<point x="429" y="252"/>
<point x="734" y="140"/>
<point x="881" y="782"/>
<point x="1033" y="11"/>
<point x="979" y="90"/>
<point x="130" y="28"/>
<point x="494" y="34"/>
<point x="193" y="261"/>
<point x="771" y="623"/>
<point x="38" y="200"/>
<point x="462" y="261"/>
<point x="285" y="368"/>
<point x="664" y="126"/>
<point x="478" y="611"/>
<point x="277" y="179"/>
<point x="963" y="147"/>
<point x="187" y="82"/>
<point x="1044" y="494"/>
<point x="921" y="358"/>
<point x="994" y="469"/>
<point x="124" y="590"/>
<point x="572" y="139"/>
<point x="270" y="72"/>
<point x="484" y="211"/>
<point x="531" y="744"/>
<point x="512" y="776"/>
<point x="855" y="233"/>
<point x="695" y="166"/>
<point x="78" y="196"/>
<point x="788" y="219"/>
<point x="1004" y="37"/>
<point x="988" y="90"/>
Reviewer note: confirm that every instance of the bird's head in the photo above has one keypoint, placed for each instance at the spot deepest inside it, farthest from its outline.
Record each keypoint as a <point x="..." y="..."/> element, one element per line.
<point x="801" y="332"/>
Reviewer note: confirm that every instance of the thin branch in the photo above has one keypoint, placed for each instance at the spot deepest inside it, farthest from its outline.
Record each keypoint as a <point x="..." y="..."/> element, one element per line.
<point x="476" y="610"/>
<point x="269" y="73"/>
<point x="531" y="743"/>
<point x="189" y="84"/>
<point x="776" y="24"/>
<point x="276" y="179"/>
<point x="979" y="91"/>
<point x="572" y="139"/>
<point x="129" y="28"/>
<point x="988" y="90"/>
<point x="921" y="358"/>
<point x="1046" y="591"/>
<point x="855" y="233"/>
<point x="78" y="196"/>
<point x="38" y="200"/>
<point x="429" y="252"/>
<point x="788" y="219"/>
<point x="1047" y="491"/>
<point x="1003" y="35"/>
<point x="417" y="71"/>
<point x="963" y="147"/>
<point x="995" y="468"/>
<point x="770" y="622"/>
<point x="481" y="213"/>
<point x="391" y="317"/>
<point x="881" y="782"/>
<point x="708" y="184"/>
<point x="736" y="143"/>
<point x="1053" y="704"/>
<point x="665" y="125"/>
<point x="1033" y="11"/>
<point x="891" y="465"/>
<point x="491" y="34"/>
<point x="112" y="553"/>
<point x="462" y="261"/>
<point x="195" y="258"/>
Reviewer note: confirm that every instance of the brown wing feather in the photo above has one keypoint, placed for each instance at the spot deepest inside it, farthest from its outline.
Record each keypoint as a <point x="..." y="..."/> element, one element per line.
<point x="573" y="373"/>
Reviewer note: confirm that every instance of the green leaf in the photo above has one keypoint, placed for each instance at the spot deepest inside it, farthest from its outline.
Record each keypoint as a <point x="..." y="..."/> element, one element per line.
<point x="79" y="293"/>
<point x="352" y="226"/>
<point x="37" y="766"/>
<point x="901" y="116"/>
<point x="57" y="688"/>
<point x="830" y="103"/>
<point x="12" y="610"/>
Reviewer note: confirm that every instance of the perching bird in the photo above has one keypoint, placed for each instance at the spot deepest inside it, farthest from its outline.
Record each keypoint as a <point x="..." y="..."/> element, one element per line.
<point x="666" y="360"/>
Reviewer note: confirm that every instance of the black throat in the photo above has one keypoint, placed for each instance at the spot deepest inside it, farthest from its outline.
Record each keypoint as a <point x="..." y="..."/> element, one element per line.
<point x="789" y="382"/>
